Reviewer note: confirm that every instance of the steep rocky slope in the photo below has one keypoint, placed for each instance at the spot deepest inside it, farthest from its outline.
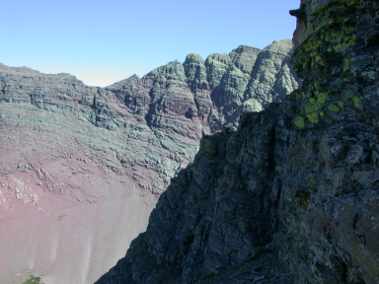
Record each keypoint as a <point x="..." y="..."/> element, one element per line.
<point x="81" y="167"/>
<point x="292" y="196"/>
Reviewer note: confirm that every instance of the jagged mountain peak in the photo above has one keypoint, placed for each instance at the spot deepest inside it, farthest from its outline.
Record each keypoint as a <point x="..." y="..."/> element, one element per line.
<point x="245" y="48"/>
<point x="123" y="83"/>
<point x="280" y="46"/>
<point x="74" y="154"/>
<point x="194" y="58"/>
<point x="291" y="196"/>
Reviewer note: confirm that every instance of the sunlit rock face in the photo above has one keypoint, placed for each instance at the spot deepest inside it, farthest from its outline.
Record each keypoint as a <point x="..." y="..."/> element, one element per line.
<point x="291" y="196"/>
<point x="82" y="167"/>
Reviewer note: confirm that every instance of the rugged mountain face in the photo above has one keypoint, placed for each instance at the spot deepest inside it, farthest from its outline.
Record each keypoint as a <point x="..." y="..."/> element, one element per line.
<point x="82" y="167"/>
<point x="292" y="196"/>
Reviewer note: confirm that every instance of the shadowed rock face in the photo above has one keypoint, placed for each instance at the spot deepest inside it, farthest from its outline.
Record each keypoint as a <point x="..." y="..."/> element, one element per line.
<point x="292" y="195"/>
<point x="82" y="167"/>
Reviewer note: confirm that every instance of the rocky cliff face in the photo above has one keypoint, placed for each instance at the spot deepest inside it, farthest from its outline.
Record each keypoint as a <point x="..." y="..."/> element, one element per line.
<point x="81" y="167"/>
<point x="292" y="196"/>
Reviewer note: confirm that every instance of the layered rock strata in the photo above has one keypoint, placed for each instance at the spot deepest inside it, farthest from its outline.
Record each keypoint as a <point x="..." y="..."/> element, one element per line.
<point x="81" y="167"/>
<point x="292" y="196"/>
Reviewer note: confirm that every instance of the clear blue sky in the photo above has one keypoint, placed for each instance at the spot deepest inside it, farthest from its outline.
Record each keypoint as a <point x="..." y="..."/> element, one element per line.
<point x="102" y="41"/>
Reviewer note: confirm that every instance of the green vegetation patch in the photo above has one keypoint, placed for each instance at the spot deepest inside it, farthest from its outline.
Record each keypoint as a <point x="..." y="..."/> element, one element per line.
<point x="333" y="34"/>
<point x="33" y="280"/>
<point x="299" y="122"/>
<point x="357" y="102"/>
<point x="321" y="57"/>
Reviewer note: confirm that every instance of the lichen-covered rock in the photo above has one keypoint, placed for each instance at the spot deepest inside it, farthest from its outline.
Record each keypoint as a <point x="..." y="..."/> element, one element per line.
<point x="292" y="195"/>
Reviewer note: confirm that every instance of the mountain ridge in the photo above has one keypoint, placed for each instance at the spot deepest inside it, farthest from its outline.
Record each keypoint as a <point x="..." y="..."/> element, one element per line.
<point x="291" y="196"/>
<point x="83" y="166"/>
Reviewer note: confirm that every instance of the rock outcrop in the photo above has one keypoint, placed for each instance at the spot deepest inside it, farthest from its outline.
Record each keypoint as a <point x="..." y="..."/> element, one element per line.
<point x="292" y="196"/>
<point x="82" y="167"/>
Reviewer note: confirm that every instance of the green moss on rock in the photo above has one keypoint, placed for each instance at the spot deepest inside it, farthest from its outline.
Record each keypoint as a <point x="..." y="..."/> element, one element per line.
<point x="324" y="54"/>
<point x="333" y="108"/>
<point x="299" y="122"/>
<point x="313" y="117"/>
<point x="357" y="102"/>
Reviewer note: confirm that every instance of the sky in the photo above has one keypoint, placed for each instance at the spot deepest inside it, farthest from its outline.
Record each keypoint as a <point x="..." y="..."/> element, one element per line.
<point x="104" y="41"/>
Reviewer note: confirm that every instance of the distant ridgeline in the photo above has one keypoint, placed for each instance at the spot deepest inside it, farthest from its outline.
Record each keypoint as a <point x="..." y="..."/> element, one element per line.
<point x="169" y="108"/>
<point x="292" y="196"/>
<point x="76" y="160"/>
